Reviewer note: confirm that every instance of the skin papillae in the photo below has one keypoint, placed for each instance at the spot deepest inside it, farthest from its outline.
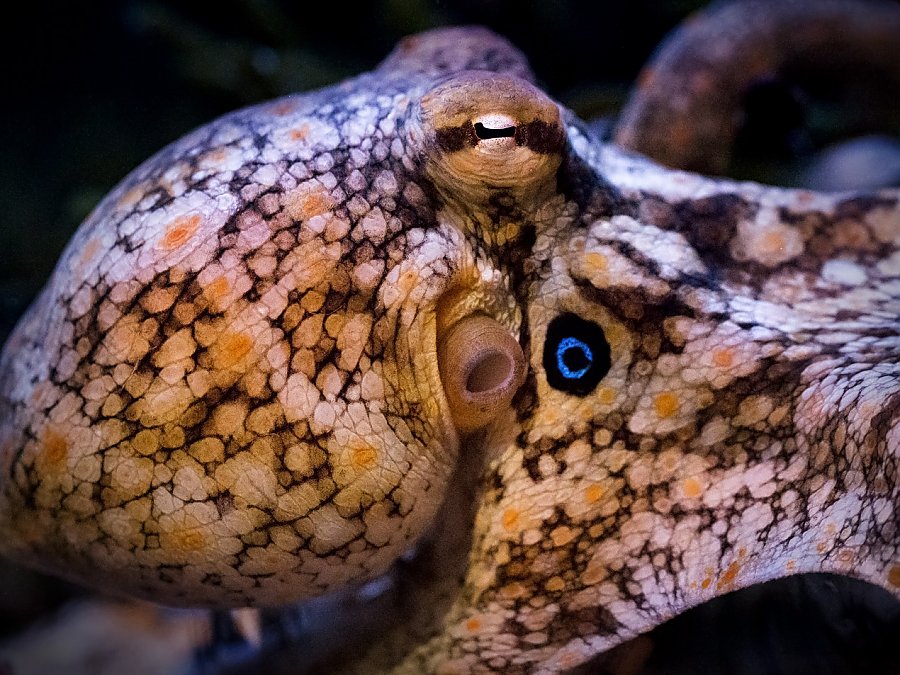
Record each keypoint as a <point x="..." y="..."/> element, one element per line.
<point x="328" y="330"/>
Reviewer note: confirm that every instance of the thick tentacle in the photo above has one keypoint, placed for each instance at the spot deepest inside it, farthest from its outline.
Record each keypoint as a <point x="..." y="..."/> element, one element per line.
<point x="687" y="107"/>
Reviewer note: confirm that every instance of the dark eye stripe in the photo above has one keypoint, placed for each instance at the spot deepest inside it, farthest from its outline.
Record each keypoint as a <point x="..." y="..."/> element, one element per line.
<point x="537" y="135"/>
<point x="576" y="354"/>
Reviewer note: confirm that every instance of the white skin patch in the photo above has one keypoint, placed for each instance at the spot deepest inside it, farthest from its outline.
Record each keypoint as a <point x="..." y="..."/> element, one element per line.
<point x="844" y="272"/>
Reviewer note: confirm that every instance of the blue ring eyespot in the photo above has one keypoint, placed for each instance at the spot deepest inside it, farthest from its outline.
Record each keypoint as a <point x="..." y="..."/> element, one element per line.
<point x="576" y="354"/>
<point x="573" y="358"/>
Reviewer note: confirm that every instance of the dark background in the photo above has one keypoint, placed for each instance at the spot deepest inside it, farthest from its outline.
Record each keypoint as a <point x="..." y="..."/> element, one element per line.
<point x="91" y="89"/>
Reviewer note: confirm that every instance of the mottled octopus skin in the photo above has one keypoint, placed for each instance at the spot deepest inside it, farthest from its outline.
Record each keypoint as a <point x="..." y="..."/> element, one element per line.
<point x="228" y="393"/>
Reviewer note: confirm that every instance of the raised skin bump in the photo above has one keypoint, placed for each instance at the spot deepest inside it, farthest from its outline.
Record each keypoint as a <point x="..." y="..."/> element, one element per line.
<point x="233" y="395"/>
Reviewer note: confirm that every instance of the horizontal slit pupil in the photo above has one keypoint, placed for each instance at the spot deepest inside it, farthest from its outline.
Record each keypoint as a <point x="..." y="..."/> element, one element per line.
<point x="484" y="132"/>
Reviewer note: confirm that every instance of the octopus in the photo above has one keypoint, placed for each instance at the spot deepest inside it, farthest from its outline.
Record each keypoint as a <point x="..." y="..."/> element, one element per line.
<point x="424" y="328"/>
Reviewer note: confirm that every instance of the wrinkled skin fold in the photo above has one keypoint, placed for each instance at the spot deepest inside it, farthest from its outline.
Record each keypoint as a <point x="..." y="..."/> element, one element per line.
<point x="229" y="393"/>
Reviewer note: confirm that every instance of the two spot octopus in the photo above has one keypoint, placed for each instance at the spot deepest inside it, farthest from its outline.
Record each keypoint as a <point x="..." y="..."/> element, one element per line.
<point x="424" y="319"/>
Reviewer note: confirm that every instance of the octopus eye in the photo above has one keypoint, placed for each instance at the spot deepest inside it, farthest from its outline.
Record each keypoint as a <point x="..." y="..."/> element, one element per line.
<point x="576" y="354"/>
<point x="487" y="132"/>
<point x="482" y="366"/>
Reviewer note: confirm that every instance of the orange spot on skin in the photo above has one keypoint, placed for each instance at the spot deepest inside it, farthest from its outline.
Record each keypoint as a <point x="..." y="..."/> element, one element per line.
<point x="473" y="625"/>
<point x="692" y="488"/>
<point x="283" y="108"/>
<point x="230" y="349"/>
<point x="666" y="404"/>
<point x="568" y="660"/>
<point x="705" y="583"/>
<point x="88" y="253"/>
<point x="299" y="133"/>
<point x="727" y="579"/>
<point x="132" y="197"/>
<point x="598" y="261"/>
<point x="606" y="395"/>
<point x="894" y="576"/>
<point x="216" y="156"/>
<point x="363" y="457"/>
<point x="309" y="202"/>
<point x="821" y="546"/>
<point x="185" y="541"/>
<point x="593" y="493"/>
<point x="509" y="519"/>
<point x="55" y="449"/>
<point x="772" y="242"/>
<point x="790" y="565"/>
<point x="845" y="556"/>
<point x="179" y="232"/>
<point x="723" y="357"/>
<point x="409" y="44"/>
<point x="217" y="290"/>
